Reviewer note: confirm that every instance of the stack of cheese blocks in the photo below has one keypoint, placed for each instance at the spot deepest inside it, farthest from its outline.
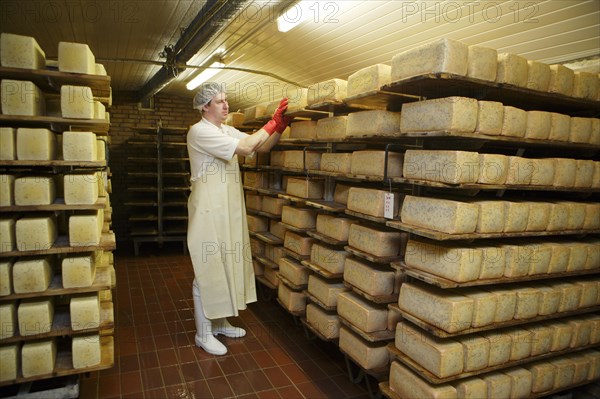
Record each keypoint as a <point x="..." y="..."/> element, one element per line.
<point x="25" y="354"/>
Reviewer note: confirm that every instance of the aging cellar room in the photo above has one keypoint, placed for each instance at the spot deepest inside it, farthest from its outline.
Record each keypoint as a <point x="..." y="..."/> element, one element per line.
<point x="299" y="199"/>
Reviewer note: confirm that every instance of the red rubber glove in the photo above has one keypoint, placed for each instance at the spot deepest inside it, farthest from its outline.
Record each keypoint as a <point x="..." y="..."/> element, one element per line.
<point x="279" y="122"/>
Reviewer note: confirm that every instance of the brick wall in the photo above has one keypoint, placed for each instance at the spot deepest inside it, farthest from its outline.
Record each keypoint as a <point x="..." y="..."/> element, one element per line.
<point x="125" y="114"/>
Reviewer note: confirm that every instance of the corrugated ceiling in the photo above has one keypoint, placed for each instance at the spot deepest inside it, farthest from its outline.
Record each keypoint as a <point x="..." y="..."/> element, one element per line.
<point x="340" y="37"/>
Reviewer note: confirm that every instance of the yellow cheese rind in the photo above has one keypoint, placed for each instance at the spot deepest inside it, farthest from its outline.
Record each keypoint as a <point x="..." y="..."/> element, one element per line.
<point x="516" y="214"/>
<point x="324" y="290"/>
<point x="8" y="315"/>
<point x="303" y="218"/>
<point x="273" y="205"/>
<point x="7" y="235"/>
<point x="373" y="123"/>
<point x="544" y="171"/>
<point x="382" y="243"/>
<point x="8" y="138"/>
<point x="340" y="194"/>
<point x="325" y="323"/>
<point x="35" y="233"/>
<point x="565" y="172"/>
<point x="34" y="190"/>
<point x="584" y="174"/>
<point x="372" y="163"/>
<point x="369" y="79"/>
<point x="491" y="216"/>
<point x="36" y="144"/>
<point x="298" y="243"/>
<point x="76" y="57"/>
<point x="520" y="171"/>
<point x="84" y="311"/>
<point x="38" y="358"/>
<point x="254" y="112"/>
<point x="456" y="114"/>
<point x="443" y="166"/>
<point x="35" y="316"/>
<point x="448" y="216"/>
<point x="331" y="128"/>
<point x="512" y="69"/>
<point x="372" y="202"/>
<point x="561" y="80"/>
<point x="17" y="51"/>
<point x="361" y="313"/>
<point x="10" y="362"/>
<point x="76" y="102"/>
<point x="585" y="85"/>
<point x="79" y="146"/>
<point x="336" y="162"/>
<point x="20" y="97"/>
<point x="85" y="228"/>
<point x="86" y="351"/>
<point x="80" y="189"/>
<point x="493" y="169"/>
<point x="440" y="56"/>
<point x="476" y="350"/>
<point x="370" y="356"/>
<point x="335" y="227"/>
<point x="490" y="117"/>
<point x="580" y="130"/>
<point x="371" y="280"/>
<point x="560" y="127"/>
<point x="539" y="125"/>
<point x="6" y="266"/>
<point x="482" y="63"/>
<point x="514" y="122"/>
<point x="303" y="188"/>
<point x="32" y="274"/>
<point x="333" y="90"/>
<point x="406" y="384"/>
<point x="294" y="301"/>
<point x="329" y="258"/>
<point x="79" y="270"/>
<point x="538" y="76"/>
<point x="303" y="130"/>
<point x="293" y="271"/>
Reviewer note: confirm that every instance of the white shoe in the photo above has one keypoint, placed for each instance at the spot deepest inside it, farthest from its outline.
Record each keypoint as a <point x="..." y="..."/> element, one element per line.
<point x="222" y="326"/>
<point x="204" y="337"/>
<point x="210" y="344"/>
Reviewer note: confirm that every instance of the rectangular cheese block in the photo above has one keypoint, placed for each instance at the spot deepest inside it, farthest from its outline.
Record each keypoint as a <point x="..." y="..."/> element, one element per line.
<point x="514" y="122"/>
<point x="491" y="216"/>
<point x="271" y="276"/>
<point x="476" y="350"/>
<point x="329" y="258"/>
<point x="565" y="172"/>
<point x="528" y="303"/>
<point x="79" y="146"/>
<point x="516" y="215"/>
<point x="333" y="90"/>
<point x="101" y="147"/>
<point x="580" y="130"/>
<point x="325" y="290"/>
<point x="303" y="130"/>
<point x="562" y="334"/>
<point x="332" y="128"/>
<point x="570" y="296"/>
<point x="373" y="123"/>
<point x="7" y="235"/>
<point x="490" y="116"/>
<point x="520" y="171"/>
<point x="585" y="85"/>
<point x="35" y="316"/>
<point x="254" y="112"/>
<point x="458" y="264"/>
<point x="581" y="332"/>
<point x="32" y="274"/>
<point x="538" y="76"/>
<point x="446" y="310"/>
<point x="440" y="56"/>
<point x="277" y="229"/>
<point x="372" y="163"/>
<point x="539" y="216"/>
<point x="293" y="301"/>
<point x="369" y="79"/>
<point x="257" y="247"/>
<point x="493" y="262"/>
<point x="235" y="119"/>
<point x="407" y="384"/>
<point x="506" y="304"/>
<point x="559" y="217"/>
<point x="85" y="228"/>
<point x="455" y="114"/>
<point x="297" y="99"/>
<point x="544" y="171"/>
<point x="303" y="218"/>
<point x="259" y="268"/>
<point x="276" y="158"/>
<point x="582" y="367"/>
<point x="493" y="169"/>
<point x="274" y="252"/>
<point x="8" y="315"/>
<point x="100" y="70"/>
<point x="584" y="174"/>
<point x="592" y="216"/>
<point x="565" y="371"/>
<point x="589" y="294"/>
<point x="21" y="97"/>
<point x="336" y="162"/>
<point x="340" y="194"/>
<point x="500" y="344"/>
<point x="18" y="51"/>
<point x="6" y="266"/>
<point x="441" y="357"/>
<point x="576" y="214"/>
<point x="86" y="351"/>
<point x="84" y="311"/>
<point x="484" y="305"/>
<point x="442" y="166"/>
<point x="293" y="271"/>
<point x="521" y="343"/>
<point x="595" y="135"/>
<point x="304" y="188"/>
<point x="10" y="362"/>
<point x="373" y="202"/>
<point x="517" y="260"/>
<point x="448" y="216"/>
<point x="370" y="279"/>
<point x="521" y="382"/>
<point x="35" y="233"/>
<point x="257" y="223"/>
<point x="76" y="57"/>
<point x="542" y="376"/>
<point x="512" y="69"/>
<point x="327" y="324"/>
<point x="541" y="337"/>
<point x="298" y="243"/>
<point x="367" y="355"/>
<point x="482" y="63"/>
<point x="273" y="205"/>
<point x="538" y="255"/>
<point x="560" y="257"/>
<point x="470" y="388"/>
<point x="539" y="124"/>
<point x="361" y="313"/>
<point x="382" y="243"/>
<point x="560" y="127"/>
<point x="334" y="227"/>
<point x="79" y="270"/>
<point x="38" y="358"/>
<point x="80" y="189"/>
<point x="76" y="102"/>
<point x="253" y="201"/>
<point x="36" y="144"/>
<point x="562" y="80"/>
<point x="7" y="193"/>
<point x="8" y="138"/>
<point x="99" y="110"/>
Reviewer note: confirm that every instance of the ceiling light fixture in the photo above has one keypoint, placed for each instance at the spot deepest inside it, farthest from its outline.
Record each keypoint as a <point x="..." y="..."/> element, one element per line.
<point x="294" y="16"/>
<point x="205" y="75"/>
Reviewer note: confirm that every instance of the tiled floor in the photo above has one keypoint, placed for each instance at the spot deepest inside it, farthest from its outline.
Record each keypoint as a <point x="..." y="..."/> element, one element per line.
<point x="155" y="356"/>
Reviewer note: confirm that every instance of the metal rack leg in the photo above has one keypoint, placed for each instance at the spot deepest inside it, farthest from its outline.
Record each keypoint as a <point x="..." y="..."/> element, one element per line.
<point x="360" y="375"/>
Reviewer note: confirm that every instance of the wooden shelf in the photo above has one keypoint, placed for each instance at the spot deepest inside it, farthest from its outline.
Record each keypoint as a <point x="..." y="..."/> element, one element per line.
<point x="61" y="246"/>
<point x="316" y="332"/>
<point x="269" y="238"/>
<point x="440" y="85"/>
<point x="375" y="219"/>
<point x="374" y="336"/>
<point x="317" y="302"/>
<point x="295" y="255"/>
<point x="64" y="364"/>
<point x="99" y="126"/>
<point x="267" y="262"/>
<point x="101" y="282"/>
<point x="58" y="205"/>
<point x="265" y="282"/>
<point x="322" y="272"/>
<point x="56" y="163"/>
<point x="326" y="239"/>
<point x="379" y="299"/>
<point x="295" y="229"/>
<point x="328" y="206"/>
<point x="295" y="287"/>
<point x="379" y="99"/>
<point x="440" y="236"/>
<point x="381" y="260"/>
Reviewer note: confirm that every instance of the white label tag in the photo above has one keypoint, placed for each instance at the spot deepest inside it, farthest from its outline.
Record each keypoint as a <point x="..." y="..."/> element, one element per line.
<point x="388" y="208"/>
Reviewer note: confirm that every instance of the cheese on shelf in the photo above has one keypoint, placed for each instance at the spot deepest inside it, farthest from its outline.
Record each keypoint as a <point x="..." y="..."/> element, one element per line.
<point x="257" y="223"/>
<point x="372" y="280"/>
<point x="476" y="352"/>
<point x="329" y="258"/>
<point x="277" y="229"/>
<point x="484" y="306"/>
<point x="333" y="90"/>
<point x="369" y="79"/>
<point x="559" y="217"/>
<point x="514" y="122"/>
<point x="38" y="358"/>
<point x="366" y="354"/>
<point x="303" y="218"/>
<point x="382" y="243"/>
<point x="539" y="216"/>
<point x="86" y="351"/>
<point x="490" y="116"/>
<point x="528" y="303"/>
<point x="8" y="138"/>
<point x="585" y="85"/>
<point x="36" y="144"/>
<point x="408" y="385"/>
<point x="293" y="271"/>
<point x="10" y="362"/>
<point x="482" y="63"/>
<point x="293" y="301"/>
<point x="79" y="146"/>
<point x="8" y="315"/>
<point x="7" y="194"/>
<point x="23" y="98"/>
<point x="361" y="313"/>
<point x="332" y="128"/>
<point x="85" y="311"/>
<point x="561" y="80"/>
<point x="516" y="215"/>
<point x="34" y="190"/>
<point x="253" y="201"/>
<point x="455" y="114"/>
<point x="6" y="266"/>
<point x="539" y="124"/>
<point x="544" y="171"/>
<point x="274" y="252"/>
<point x="85" y="228"/>
<point x="327" y="324"/>
<point x="584" y="174"/>
<point x="372" y="163"/>
<point x="324" y="290"/>
<point x="35" y="233"/>
<point x="273" y="205"/>
<point x="470" y="388"/>
<point x="512" y="69"/>
<point x="440" y="56"/>
<point x="337" y="228"/>
<point x="565" y="172"/>
<point x="560" y="127"/>
<point x="7" y="235"/>
<point x="79" y="270"/>
<point x="35" y="316"/>
<point x="298" y="243"/>
<point x="76" y="57"/>
<point x="493" y="262"/>
<point x="580" y="130"/>
<point x="303" y="130"/>
<point x="448" y="216"/>
<point x="520" y="170"/>
<point x="32" y="274"/>
<point x="373" y="123"/>
<point x="297" y="100"/>
<point x="340" y="194"/>
<point x="442" y="166"/>
<point x="372" y="202"/>
<point x="304" y="188"/>
<point x="538" y="76"/>
<point x="17" y="51"/>
<point x="500" y="344"/>
<point x="254" y="112"/>
<point x="100" y="70"/>
<point x="76" y="102"/>
<point x="541" y="337"/>
<point x="336" y="162"/>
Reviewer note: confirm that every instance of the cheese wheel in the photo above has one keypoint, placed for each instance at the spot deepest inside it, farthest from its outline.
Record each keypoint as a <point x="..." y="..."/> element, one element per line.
<point x="538" y="76"/>
<point x="490" y="116"/>
<point x="484" y="306"/>
<point x="539" y="216"/>
<point x="565" y="371"/>
<point x="324" y="290"/>
<point x="369" y="356"/>
<point x="76" y="57"/>
<point x="303" y="130"/>
<point x="440" y="56"/>
<point x="372" y="163"/>
<point x="327" y="324"/>
<point x="521" y="382"/>
<point x="541" y="337"/>
<point x="86" y="228"/>
<point x="448" y="216"/>
<point x="336" y="162"/>
<point x="20" y="97"/>
<point x="379" y="123"/>
<point x="406" y="384"/>
<point x="361" y="313"/>
<point x="560" y="127"/>
<point x="76" y="102"/>
<point x="500" y="344"/>
<point x="521" y="343"/>
<point x="382" y="243"/>
<point x="36" y="144"/>
<point x="516" y="215"/>
<point x="10" y="362"/>
<point x="470" y="388"/>
<point x="370" y="279"/>
<point x="333" y="90"/>
<point x="455" y="114"/>
<point x="538" y="255"/>
<point x="302" y="218"/>
<point x="34" y="190"/>
<point x="528" y="304"/>
<point x="340" y="194"/>
<point x="38" y="358"/>
<point x="559" y="217"/>
<point x="595" y="134"/>
<point x="332" y="128"/>
<point x="542" y="376"/>
<point x="490" y="216"/>
<point x="8" y="137"/>
<point x="520" y="171"/>
<point x="369" y="79"/>
<point x="584" y="173"/>
<point x="493" y="169"/>
<point x="373" y="202"/>
<point x="337" y="228"/>
<point x="293" y="271"/>
<point x="293" y="301"/>
<point x="79" y="270"/>
<point x="512" y="69"/>
<point x="493" y="262"/>
<point x="514" y="122"/>
<point x="329" y="258"/>
<point x="506" y="305"/>
<point x="592" y="216"/>
<point x="86" y="351"/>
<point x="561" y="80"/>
<point x="482" y="63"/>
<point x="565" y="172"/>
<point x="17" y="51"/>
<point x="443" y="166"/>
<point x="79" y="146"/>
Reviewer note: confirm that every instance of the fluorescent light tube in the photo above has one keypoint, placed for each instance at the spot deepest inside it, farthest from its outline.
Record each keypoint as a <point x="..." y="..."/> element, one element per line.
<point x="205" y="75"/>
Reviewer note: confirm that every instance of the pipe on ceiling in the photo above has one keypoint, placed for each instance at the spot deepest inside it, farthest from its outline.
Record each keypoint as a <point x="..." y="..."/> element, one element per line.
<point x="205" y="25"/>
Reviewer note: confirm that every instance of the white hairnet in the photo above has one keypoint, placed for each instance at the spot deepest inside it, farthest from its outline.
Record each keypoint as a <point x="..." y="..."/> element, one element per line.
<point x="206" y="93"/>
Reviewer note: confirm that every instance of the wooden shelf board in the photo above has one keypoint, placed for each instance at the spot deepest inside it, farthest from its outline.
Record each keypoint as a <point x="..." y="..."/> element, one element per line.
<point x="379" y="299"/>
<point x="58" y="205"/>
<point x="56" y="163"/>
<point x="337" y="107"/>
<point x="267" y="262"/>
<point x="295" y="255"/>
<point x="316" y="332"/>
<point x="326" y="239"/>
<point x="370" y="218"/>
<point x="317" y="302"/>
<point x="272" y="216"/>
<point x="99" y="126"/>
<point x="269" y="238"/>
<point x="328" y="206"/>
<point x="379" y="99"/>
<point x="266" y="191"/>
<point x="382" y="260"/>
<point x="296" y="229"/>
<point x="322" y="272"/>
<point x="440" y="236"/>
<point x="376" y="336"/>
<point x="61" y="246"/>
<point x="287" y="282"/>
